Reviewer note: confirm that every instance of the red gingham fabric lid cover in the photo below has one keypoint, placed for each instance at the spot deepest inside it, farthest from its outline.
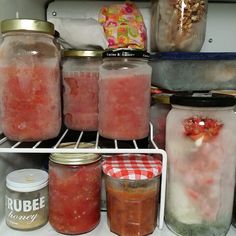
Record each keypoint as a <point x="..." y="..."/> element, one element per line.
<point x="132" y="166"/>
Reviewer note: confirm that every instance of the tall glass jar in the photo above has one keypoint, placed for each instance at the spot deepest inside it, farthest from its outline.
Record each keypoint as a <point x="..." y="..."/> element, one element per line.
<point x="26" y="200"/>
<point x="124" y="95"/>
<point x="74" y="190"/>
<point x="80" y="80"/>
<point x="30" y="80"/>
<point x="200" y="144"/>
<point x="178" y="25"/>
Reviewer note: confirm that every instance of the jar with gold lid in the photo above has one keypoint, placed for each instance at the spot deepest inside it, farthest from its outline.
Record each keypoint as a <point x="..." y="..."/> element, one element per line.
<point x="80" y="81"/>
<point x="30" y="80"/>
<point x="26" y="200"/>
<point x="75" y="186"/>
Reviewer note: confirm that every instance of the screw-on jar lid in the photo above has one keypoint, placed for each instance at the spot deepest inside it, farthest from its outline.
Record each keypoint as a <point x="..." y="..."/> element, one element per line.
<point x="126" y="53"/>
<point x="203" y="100"/>
<point x="27" y="180"/>
<point x="75" y="158"/>
<point x="80" y="53"/>
<point x="27" y="25"/>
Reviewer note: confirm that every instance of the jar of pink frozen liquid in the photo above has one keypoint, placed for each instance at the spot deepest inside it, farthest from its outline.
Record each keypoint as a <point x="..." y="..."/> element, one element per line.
<point x="124" y="95"/>
<point x="80" y="97"/>
<point x="200" y="144"/>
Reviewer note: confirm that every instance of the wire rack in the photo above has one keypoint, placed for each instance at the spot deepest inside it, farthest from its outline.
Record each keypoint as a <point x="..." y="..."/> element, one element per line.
<point x="115" y="147"/>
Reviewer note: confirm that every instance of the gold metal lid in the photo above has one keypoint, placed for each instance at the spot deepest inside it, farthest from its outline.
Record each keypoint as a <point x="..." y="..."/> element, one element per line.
<point x="81" y="53"/>
<point x="75" y="158"/>
<point x="227" y="92"/>
<point x="163" y="98"/>
<point x="27" y="25"/>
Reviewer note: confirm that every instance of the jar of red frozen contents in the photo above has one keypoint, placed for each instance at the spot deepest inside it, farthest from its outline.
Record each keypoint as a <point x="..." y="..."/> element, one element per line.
<point x="200" y="144"/>
<point x="159" y="110"/>
<point x="132" y="189"/>
<point x="74" y="190"/>
<point x="124" y="95"/>
<point x="30" y="80"/>
<point x="80" y="80"/>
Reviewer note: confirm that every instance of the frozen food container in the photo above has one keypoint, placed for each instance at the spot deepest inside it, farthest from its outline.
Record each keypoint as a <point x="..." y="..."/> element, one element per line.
<point x="181" y="71"/>
<point x="200" y="144"/>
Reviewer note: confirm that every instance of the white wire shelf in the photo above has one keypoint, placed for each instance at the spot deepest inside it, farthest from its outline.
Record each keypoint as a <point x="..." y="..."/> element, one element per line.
<point x="115" y="147"/>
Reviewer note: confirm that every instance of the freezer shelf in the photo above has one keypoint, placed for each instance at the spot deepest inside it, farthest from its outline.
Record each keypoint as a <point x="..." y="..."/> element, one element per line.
<point x="101" y="230"/>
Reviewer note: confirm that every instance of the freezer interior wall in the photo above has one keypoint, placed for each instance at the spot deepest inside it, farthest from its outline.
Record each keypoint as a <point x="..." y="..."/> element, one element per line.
<point x="220" y="28"/>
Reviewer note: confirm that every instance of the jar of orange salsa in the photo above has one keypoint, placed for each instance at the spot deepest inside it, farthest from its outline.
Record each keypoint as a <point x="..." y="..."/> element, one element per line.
<point x="124" y="95"/>
<point x="132" y="189"/>
<point x="74" y="191"/>
<point x="30" y="80"/>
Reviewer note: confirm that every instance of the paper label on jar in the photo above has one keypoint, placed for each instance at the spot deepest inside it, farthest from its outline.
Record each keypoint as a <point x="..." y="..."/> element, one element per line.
<point x="24" y="211"/>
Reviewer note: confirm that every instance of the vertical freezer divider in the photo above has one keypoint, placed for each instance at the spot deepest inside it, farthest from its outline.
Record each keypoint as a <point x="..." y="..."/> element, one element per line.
<point x="79" y="139"/>
<point x="3" y="140"/>
<point x="97" y="140"/>
<point x="135" y="144"/>
<point x="61" y="138"/>
<point x="16" y="144"/>
<point x="116" y="145"/>
<point x="37" y="144"/>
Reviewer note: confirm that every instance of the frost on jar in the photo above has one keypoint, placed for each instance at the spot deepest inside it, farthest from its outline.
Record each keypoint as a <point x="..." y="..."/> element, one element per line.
<point x="179" y="25"/>
<point x="81" y="100"/>
<point x="124" y="107"/>
<point x="74" y="197"/>
<point x="30" y="102"/>
<point x="201" y="168"/>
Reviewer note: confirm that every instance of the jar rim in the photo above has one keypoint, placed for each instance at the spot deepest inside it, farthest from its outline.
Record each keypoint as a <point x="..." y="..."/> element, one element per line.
<point x="27" y="180"/>
<point x="75" y="158"/>
<point x="33" y="25"/>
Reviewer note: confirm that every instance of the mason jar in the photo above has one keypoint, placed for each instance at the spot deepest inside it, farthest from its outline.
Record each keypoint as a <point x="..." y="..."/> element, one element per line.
<point x="30" y="80"/>
<point x="124" y="95"/>
<point x="159" y="111"/>
<point x="74" y="190"/>
<point x="80" y="80"/>
<point x="26" y="200"/>
<point x="178" y="25"/>
<point x="132" y="191"/>
<point x="200" y="144"/>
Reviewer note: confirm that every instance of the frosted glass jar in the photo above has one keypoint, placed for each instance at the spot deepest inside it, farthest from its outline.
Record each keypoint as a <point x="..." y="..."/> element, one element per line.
<point x="159" y="111"/>
<point x="200" y="144"/>
<point x="124" y="95"/>
<point x="178" y="25"/>
<point x="74" y="190"/>
<point x="26" y="200"/>
<point x="30" y="80"/>
<point x="80" y="80"/>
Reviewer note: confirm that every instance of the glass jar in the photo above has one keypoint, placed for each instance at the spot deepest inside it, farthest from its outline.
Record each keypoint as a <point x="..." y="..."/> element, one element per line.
<point x="159" y="111"/>
<point x="200" y="144"/>
<point x="30" y="80"/>
<point x="74" y="191"/>
<point x="80" y="80"/>
<point x="178" y="25"/>
<point x="124" y="95"/>
<point x="26" y="201"/>
<point x="132" y="193"/>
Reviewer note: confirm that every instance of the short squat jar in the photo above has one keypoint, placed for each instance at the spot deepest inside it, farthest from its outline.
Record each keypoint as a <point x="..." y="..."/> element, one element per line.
<point x="178" y="25"/>
<point x="200" y="144"/>
<point x="124" y="95"/>
<point x="80" y="95"/>
<point x="74" y="190"/>
<point x="30" y="80"/>
<point x="26" y="202"/>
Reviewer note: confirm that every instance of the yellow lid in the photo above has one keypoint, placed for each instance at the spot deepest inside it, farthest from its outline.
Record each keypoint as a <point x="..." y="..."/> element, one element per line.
<point x="163" y="98"/>
<point x="227" y="92"/>
<point x="81" y="53"/>
<point x="27" y="25"/>
<point x="75" y="158"/>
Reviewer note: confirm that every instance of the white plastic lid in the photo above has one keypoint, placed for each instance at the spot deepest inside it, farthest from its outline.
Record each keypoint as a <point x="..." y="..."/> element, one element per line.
<point x="27" y="180"/>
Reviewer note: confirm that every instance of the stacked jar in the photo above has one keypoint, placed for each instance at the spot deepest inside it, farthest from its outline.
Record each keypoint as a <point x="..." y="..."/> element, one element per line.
<point x="80" y="80"/>
<point x="124" y="95"/>
<point x="30" y="80"/>
<point x="178" y="25"/>
<point x="200" y="145"/>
